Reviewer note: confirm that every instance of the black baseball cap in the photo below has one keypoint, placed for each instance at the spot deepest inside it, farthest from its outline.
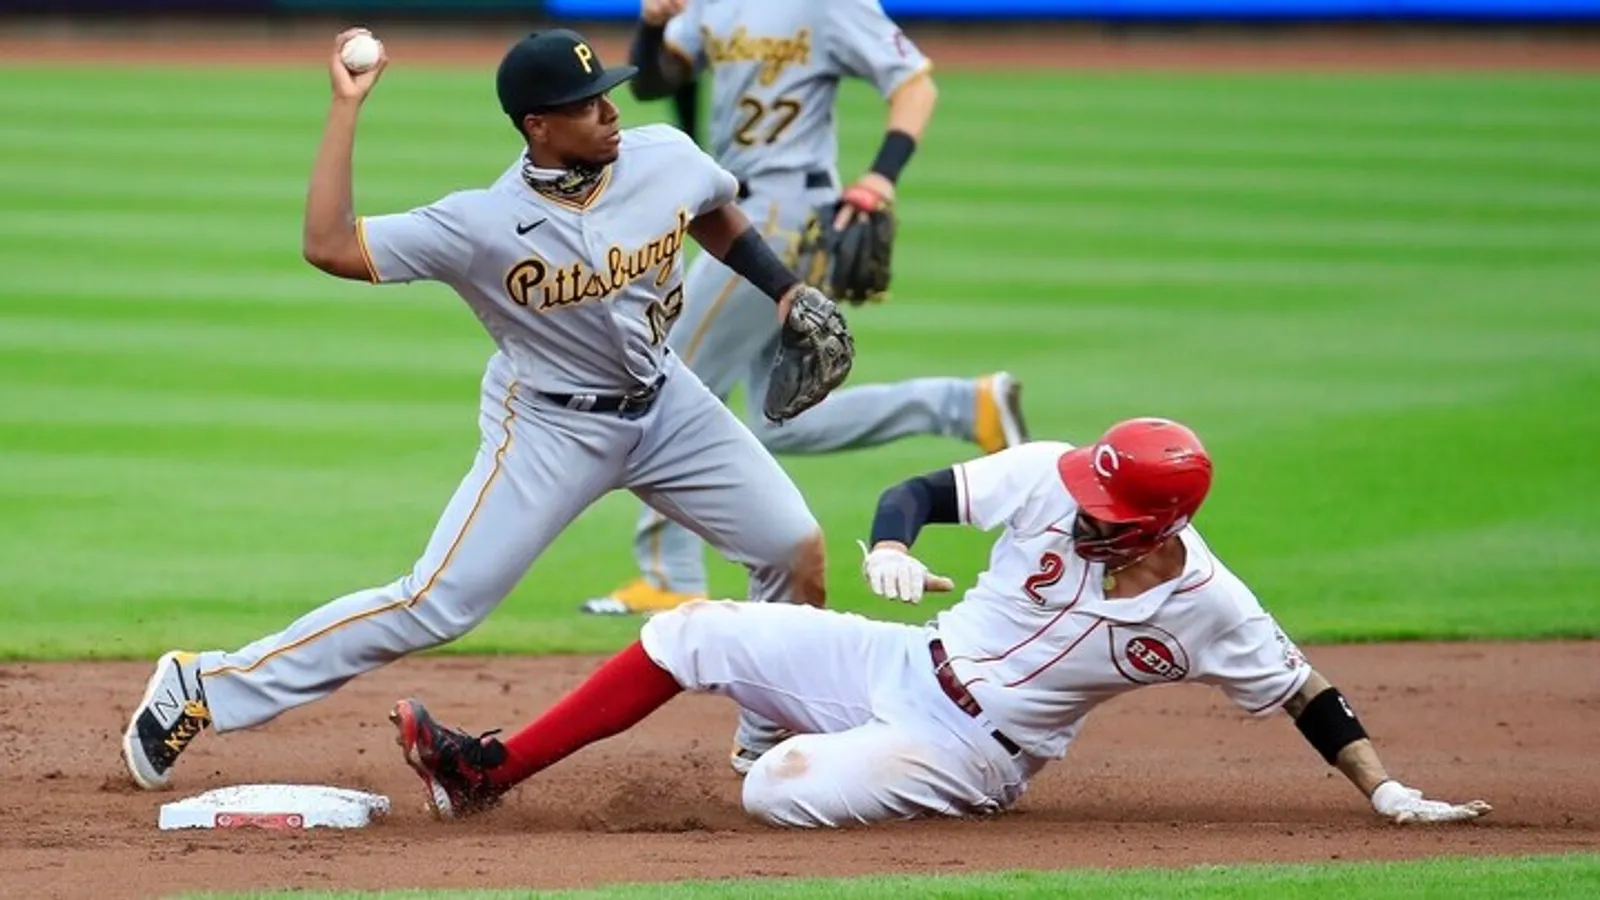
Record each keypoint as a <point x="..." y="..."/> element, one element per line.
<point x="553" y="68"/>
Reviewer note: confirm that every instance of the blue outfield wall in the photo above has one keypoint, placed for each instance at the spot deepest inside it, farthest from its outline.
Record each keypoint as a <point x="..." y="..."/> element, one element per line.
<point x="1587" y="11"/>
<point x="1234" y="10"/>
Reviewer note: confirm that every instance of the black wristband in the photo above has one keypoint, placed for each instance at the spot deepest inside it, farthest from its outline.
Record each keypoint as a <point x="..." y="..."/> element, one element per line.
<point x="909" y="505"/>
<point x="751" y="259"/>
<point x="894" y="154"/>
<point x="1329" y="724"/>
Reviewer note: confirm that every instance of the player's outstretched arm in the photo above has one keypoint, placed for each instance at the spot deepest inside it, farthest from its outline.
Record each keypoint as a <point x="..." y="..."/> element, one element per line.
<point x="329" y="240"/>
<point x="661" y="72"/>
<point x="1330" y="725"/>
<point x="903" y="510"/>
<point x="910" y="109"/>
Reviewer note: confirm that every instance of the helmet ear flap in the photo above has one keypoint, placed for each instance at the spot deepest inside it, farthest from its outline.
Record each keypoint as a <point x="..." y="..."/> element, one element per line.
<point x="1126" y="541"/>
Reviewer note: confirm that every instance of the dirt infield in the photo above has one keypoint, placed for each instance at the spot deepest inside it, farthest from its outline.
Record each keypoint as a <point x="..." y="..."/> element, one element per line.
<point x="1172" y="776"/>
<point x="1039" y="47"/>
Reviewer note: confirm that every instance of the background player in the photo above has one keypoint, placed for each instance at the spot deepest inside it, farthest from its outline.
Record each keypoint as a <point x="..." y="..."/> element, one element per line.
<point x="775" y="68"/>
<point x="686" y="107"/>
<point x="572" y="261"/>
<point x="1098" y="585"/>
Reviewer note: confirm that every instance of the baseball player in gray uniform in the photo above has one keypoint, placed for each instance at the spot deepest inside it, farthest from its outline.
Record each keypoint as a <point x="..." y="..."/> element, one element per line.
<point x="573" y="262"/>
<point x="775" y="68"/>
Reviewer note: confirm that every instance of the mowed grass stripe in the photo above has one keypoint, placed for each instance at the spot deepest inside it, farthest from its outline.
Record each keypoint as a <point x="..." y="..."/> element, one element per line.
<point x="259" y="141"/>
<point x="1105" y="225"/>
<point x="124" y="407"/>
<point x="48" y="225"/>
<point x="1529" y="190"/>
<point x="1416" y="149"/>
<point x="1513" y="878"/>
<point x="1274" y="228"/>
<point x="465" y="95"/>
<point x="331" y="383"/>
<point x="420" y="310"/>
<point x="1347" y="101"/>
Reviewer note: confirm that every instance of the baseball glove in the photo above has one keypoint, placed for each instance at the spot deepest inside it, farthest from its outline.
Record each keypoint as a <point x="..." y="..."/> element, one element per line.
<point x="850" y="265"/>
<point x="815" y="352"/>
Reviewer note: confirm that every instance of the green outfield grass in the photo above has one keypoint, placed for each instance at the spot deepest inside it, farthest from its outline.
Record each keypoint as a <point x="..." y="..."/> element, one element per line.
<point x="1376" y="298"/>
<point x="1534" y="878"/>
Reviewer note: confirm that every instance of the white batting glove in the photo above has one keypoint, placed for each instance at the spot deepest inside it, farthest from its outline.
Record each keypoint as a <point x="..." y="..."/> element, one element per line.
<point x="1402" y="805"/>
<point x="892" y="572"/>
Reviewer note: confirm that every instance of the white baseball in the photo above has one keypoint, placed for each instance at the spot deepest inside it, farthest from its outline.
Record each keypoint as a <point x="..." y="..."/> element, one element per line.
<point x="360" y="53"/>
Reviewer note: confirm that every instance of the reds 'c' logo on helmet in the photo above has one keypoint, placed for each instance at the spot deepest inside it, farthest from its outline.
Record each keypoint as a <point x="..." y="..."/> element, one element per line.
<point x="1147" y="474"/>
<point x="1105" y="461"/>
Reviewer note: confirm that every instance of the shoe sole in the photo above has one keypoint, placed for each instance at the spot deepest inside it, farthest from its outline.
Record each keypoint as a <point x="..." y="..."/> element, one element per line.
<point x="143" y="774"/>
<point x="605" y="606"/>
<point x="404" y="717"/>
<point x="1007" y="392"/>
<point x="742" y="764"/>
<point x="611" y="606"/>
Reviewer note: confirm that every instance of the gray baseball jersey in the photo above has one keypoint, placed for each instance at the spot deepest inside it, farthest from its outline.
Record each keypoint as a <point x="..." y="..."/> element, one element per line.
<point x="776" y="68"/>
<point x="579" y="298"/>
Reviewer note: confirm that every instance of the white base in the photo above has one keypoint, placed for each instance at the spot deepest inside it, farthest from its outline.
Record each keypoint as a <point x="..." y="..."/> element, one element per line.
<point x="275" y="806"/>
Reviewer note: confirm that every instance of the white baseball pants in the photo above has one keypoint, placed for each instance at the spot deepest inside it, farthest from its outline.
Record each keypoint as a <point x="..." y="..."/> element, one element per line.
<point x="876" y="737"/>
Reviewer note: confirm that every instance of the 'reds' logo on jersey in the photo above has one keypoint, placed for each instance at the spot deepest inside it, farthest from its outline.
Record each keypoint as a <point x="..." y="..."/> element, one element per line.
<point x="1145" y="654"/>
<point x="1152" y="657"/>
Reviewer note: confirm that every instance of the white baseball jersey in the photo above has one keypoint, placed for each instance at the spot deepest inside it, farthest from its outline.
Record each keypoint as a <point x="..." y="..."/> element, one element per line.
<point x="578" y="297"/>
<point x="1039" y="644"/>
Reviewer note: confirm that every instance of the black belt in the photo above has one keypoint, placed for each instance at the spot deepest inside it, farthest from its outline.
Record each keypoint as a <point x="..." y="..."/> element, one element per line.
<point x="635" y="403"/>
<point x="960" y="696"/>
<point x="815" y="179"/>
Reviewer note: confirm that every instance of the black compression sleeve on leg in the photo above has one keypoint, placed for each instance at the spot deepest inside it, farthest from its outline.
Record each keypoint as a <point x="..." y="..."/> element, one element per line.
<point x="909" y="505"/>
<point x="1329" y="724"/>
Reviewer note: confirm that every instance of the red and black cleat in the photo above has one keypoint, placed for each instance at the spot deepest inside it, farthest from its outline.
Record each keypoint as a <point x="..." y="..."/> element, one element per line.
<point x="453" y="764"/>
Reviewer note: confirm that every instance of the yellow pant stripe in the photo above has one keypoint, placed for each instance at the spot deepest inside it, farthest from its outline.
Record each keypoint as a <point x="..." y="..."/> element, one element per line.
<point x="477" y="504"/>
<point x="366" y="254"/>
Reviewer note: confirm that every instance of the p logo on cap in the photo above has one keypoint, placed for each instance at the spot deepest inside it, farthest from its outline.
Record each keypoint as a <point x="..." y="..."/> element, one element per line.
<point x="550" y="69"/>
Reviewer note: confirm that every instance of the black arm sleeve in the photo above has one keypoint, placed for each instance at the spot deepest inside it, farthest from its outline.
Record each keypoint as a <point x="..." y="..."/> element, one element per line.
<point x="652" y="82"/>
<point x="687" y="103"/>
<point x="909" y="505"/>
<point x="751" y="259"/>
<point x="1329" y="724"/>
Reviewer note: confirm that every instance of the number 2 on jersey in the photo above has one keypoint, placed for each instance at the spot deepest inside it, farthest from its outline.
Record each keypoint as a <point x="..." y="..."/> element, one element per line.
<point x="783" y="111"/>
<point x="1051" y="568"/>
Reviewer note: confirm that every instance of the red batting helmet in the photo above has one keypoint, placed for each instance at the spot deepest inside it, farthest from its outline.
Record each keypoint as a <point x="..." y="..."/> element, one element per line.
<point x="1149" y="475"/>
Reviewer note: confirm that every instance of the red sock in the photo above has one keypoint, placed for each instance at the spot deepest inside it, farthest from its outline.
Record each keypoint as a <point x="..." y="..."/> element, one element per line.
<point x="625" y="689"/>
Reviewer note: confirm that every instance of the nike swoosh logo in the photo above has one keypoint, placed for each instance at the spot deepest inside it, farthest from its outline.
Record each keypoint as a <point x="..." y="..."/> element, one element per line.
<point x="524" y="229"/>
